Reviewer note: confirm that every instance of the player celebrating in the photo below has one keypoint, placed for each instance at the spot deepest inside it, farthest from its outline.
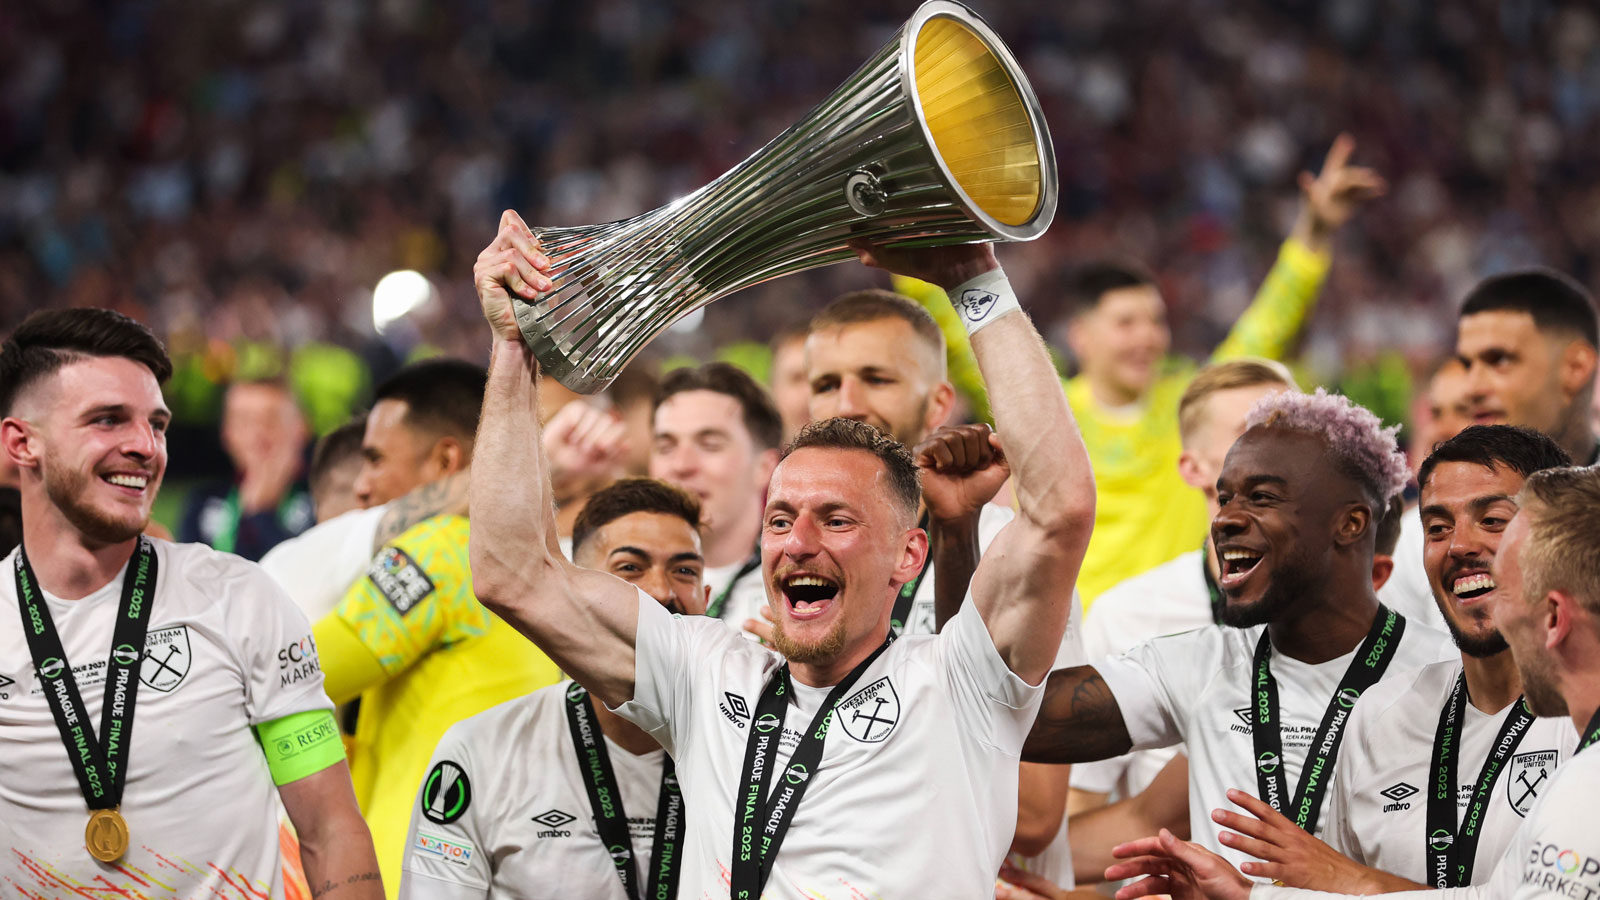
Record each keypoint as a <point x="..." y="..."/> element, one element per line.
<point x="817" y="810"/>
<point x="1547" y="570"/>
<point x="523" y="797"/>
<point x="102" y="629"/>
<point x="1262" y="699"/>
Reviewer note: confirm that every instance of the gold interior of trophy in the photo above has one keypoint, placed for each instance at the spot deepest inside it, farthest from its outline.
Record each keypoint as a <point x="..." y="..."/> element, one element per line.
<point x="978" y="121"/>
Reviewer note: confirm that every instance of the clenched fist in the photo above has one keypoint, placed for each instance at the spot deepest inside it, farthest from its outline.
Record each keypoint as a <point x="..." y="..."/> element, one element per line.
<point x="512" y="264"/>
<point x="963" y="466"/>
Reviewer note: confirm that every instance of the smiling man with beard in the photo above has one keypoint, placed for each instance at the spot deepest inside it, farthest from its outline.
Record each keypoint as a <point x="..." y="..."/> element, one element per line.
<point x="1261" y="699"/>
<point x="819" y="776"/>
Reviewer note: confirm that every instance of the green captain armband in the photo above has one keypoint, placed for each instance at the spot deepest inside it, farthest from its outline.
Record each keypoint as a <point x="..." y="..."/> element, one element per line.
<point x="299" y="745"/>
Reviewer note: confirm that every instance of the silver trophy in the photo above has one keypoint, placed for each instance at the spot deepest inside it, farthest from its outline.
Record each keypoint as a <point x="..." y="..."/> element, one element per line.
<point x="938" y="139"/>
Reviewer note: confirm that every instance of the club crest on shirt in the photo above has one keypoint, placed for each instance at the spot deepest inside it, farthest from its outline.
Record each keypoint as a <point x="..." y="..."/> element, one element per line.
<point x="166" y="658"/>
<point x="1526" y="777"/>
<point x="870" y="714"/>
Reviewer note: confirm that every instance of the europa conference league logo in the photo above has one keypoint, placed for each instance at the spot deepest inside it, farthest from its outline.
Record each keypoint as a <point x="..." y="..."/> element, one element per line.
<point x="446" y="793"/>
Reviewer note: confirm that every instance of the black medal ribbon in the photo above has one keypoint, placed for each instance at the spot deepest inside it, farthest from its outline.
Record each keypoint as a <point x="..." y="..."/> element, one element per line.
<point x="1591" y="732"/>
<point x="611" y="820"/>
<point x="98" y="758"/>
<point x="908" y="591"/>
<point x="1219" y="601"/>
<point x="753" y="855"/>
<point x="1451" y="853"/>
<point x="1372" y="658"/>
<point x="721" y="600"/>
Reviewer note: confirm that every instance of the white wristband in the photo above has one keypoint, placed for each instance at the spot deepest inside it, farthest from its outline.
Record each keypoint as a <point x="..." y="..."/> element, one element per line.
<point x="984" y="299"/>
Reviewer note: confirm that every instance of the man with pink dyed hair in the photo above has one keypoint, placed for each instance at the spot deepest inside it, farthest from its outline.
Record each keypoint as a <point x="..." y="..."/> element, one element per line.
<point x="1261" y="699"/>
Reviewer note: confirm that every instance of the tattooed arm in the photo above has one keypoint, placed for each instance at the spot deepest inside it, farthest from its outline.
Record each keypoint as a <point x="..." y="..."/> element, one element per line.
<point x="1079" y="720"/>
<point x="436" y="498"/>
<point x="335" y="845"/>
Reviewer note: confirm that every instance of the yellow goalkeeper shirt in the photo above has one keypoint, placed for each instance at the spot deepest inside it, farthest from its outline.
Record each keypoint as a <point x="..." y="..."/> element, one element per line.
<point x="1144" y="513"/>
<point x="422" y="653"/>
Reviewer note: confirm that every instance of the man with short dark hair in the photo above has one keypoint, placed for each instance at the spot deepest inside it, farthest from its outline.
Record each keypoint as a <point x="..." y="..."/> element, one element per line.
<point x="335" y="464"/>
<point x="778" y="758"/>
<point x="1528" y="342"/>
<point x="717" y="436"/>
<point x="103" y="629"/>
<point x="526" y="800"/>
<point x="409" y="638"/>
<point x="1126" y="388"/>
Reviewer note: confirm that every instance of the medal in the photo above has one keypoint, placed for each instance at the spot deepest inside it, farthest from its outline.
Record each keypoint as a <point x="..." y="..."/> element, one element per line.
<point x="106" y="835"/>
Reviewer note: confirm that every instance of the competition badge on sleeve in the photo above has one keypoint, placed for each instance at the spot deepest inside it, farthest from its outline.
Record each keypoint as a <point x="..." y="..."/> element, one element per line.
<point x="937" y="139"/>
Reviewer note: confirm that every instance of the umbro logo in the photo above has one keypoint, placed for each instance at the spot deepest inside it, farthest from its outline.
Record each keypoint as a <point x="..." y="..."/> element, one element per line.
<point x="5" y="684"/>
<point x="1243" y="713"/>
<point x="553" y="820"/>
<point x="1397" y="793"/>
<point x="734" y="708"/>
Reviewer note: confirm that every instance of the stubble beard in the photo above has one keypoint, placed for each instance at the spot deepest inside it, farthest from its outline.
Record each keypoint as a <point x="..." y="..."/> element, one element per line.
<point x="1540" y="686"/>
<point x="824" y="650"/>
<point x="66" y="488"/>
<point x="1291" y="582"/>
<point x="1477" y="646"/>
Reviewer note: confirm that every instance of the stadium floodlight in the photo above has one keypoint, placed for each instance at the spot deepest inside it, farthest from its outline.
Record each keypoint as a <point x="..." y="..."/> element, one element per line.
<point x="398" y="294"/>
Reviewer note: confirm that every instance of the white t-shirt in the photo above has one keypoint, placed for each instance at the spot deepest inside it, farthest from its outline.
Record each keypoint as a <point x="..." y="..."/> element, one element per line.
<point x="1555" y="854"/>
<point x="1407" y="591"/>
<point x="1196" y="687"/>
<point x="916" y="794"/>
<point x="201" y="808"/>
<point x="744" y="602"/>
<point x="317" y="566"/>
<point x="1169" y="599"/>
<point x="527" y="828"/>
<point x="1378" y="808"/>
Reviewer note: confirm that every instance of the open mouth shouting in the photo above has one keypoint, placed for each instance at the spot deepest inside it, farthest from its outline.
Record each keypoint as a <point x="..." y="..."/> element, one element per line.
<point x="808" y="595"/>
<point x="1237" y="564"/>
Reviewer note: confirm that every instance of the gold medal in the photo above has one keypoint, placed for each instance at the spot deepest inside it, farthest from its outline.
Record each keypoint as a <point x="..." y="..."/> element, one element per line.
<point x="106" y="835"/>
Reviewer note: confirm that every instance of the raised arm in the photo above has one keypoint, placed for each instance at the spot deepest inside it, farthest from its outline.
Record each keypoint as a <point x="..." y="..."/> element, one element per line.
<point x="584" y="620"/>
<point x="1023" y="585"/>
<point x="1079" y="720"/>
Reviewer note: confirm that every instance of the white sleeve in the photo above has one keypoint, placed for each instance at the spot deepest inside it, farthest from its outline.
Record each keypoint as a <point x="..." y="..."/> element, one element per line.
<point x="1137" y="679"/>
<point x="669" y="652"/>
<point x="1100" y="776"/>
<point x="1071" y="652"/>
<point x="996" y="702"/>
<point x="317" y="566"/>
<point x="447" y="854"/>
<point x="1559" y="844"/>
<point x="273" y="645"/>
<point x="1272" y="892"/>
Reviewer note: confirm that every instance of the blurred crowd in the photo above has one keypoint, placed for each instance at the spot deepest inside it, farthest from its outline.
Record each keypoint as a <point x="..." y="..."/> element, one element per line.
<point x="241" y="173"/>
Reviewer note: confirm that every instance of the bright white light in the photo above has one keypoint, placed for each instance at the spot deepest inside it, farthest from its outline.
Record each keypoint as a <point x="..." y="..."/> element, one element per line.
<point x="397" y="294"/>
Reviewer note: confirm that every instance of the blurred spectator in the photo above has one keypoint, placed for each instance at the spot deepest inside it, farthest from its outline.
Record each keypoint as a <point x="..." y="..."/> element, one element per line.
<point x="790" y="390"/>
<point x="264" y="436"/>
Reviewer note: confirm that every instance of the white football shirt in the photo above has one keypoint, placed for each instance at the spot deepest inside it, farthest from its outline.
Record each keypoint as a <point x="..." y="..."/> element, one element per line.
<point x="1378" y="808"/>
<point x="201" y="808"/>
<point x="744" y="601"/>
<point x="526" y="828"/>
<point x="916" y="794"/>
<point x="1555" y="854"/>
<point x="1196" y="687"/>
<point x="317" y="566"/>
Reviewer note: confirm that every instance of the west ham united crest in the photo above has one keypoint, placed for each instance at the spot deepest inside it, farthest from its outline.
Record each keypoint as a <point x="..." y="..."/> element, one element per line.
<point x="1527" y="777"/>
<point x="869" y="715"/>
<point x="166" y="658"/>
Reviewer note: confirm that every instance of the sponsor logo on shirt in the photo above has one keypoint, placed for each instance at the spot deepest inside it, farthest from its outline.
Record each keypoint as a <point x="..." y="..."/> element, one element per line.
<point x="1528" y="773"/>
<point x="1562" y="870"/>
<point x="1397" y="794"/>
<point x="399" y="579"/>
<point x="1245" y="718"/>
<point x="734" y="708"/>
<point x="452" y="850"/>
<point x="166" y="658"/>
<point x="5" y="687"/>
<point x="297" y="662"/>
<point x="870" y="714"/>
<point x="446" y="793"/>
<point x="553" y="820"/>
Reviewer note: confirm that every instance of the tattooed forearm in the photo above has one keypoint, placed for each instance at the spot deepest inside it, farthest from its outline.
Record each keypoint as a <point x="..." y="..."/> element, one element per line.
<point x="1079" y="720"/>
<point x="447" y="495"/>
<point x="329" y="887"/>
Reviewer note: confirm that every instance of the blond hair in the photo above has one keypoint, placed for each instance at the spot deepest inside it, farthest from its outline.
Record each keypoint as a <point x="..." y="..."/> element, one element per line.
<point x="1563" y="548"/>
<point x="1225" y="376"/>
